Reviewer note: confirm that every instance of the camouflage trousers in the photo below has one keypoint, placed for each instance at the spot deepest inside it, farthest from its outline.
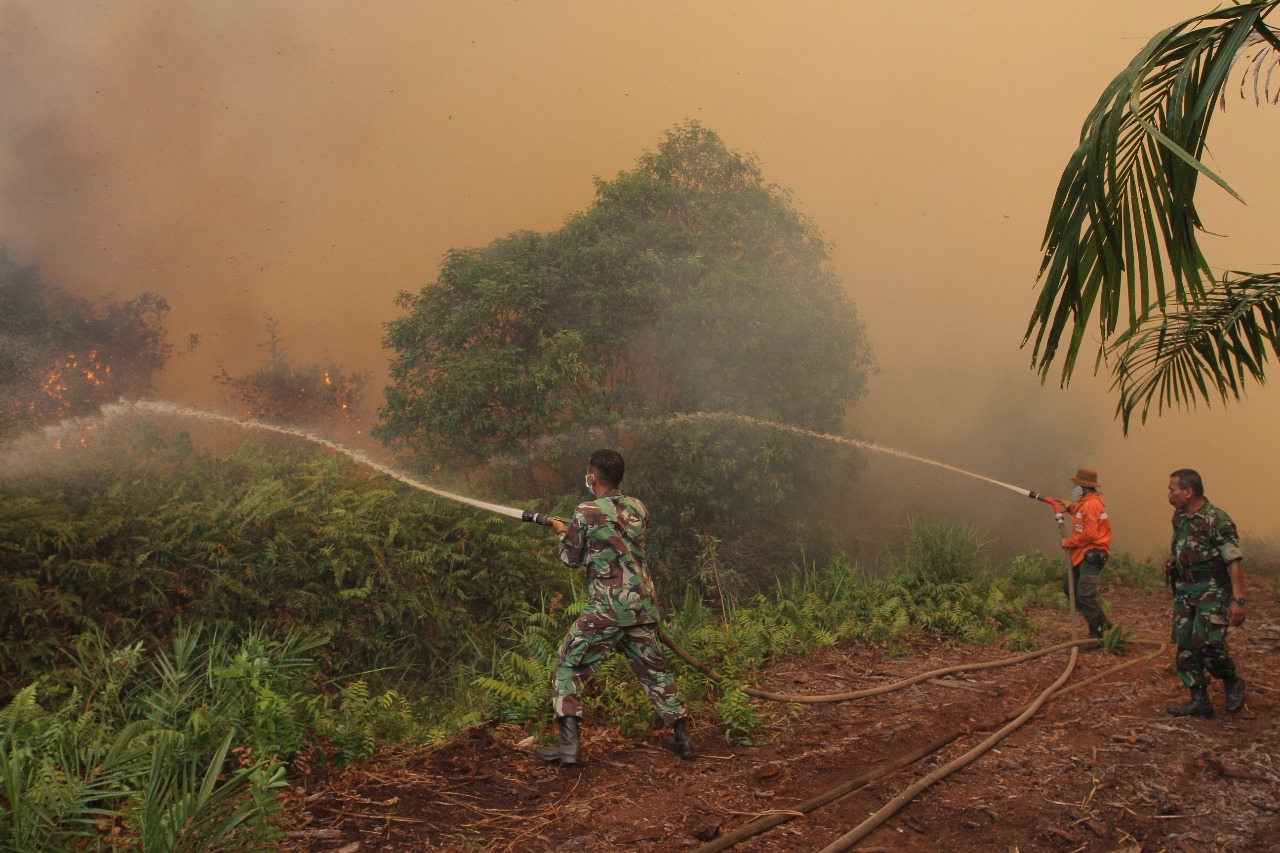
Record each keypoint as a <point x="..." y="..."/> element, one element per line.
<point x="1201" y="616"/>
<point x="1085" y="574"/>
<point x="589" y="642"/>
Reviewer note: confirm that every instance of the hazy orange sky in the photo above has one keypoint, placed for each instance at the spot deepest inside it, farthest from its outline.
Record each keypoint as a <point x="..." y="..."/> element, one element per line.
<point x="310" y="159"/>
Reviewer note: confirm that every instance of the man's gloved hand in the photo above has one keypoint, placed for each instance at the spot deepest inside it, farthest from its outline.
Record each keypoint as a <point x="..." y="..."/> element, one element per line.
<point x="1059" y="507"/>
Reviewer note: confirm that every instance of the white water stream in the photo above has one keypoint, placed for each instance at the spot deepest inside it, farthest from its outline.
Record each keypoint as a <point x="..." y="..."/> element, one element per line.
<point x="125" y="409"/>
<point x="839" y="439"/>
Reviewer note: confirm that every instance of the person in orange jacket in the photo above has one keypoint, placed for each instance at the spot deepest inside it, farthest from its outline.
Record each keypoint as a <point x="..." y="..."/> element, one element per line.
<point x="1089" y="547"/>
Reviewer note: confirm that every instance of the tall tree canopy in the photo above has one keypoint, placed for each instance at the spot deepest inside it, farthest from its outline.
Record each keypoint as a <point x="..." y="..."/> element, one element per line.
<point x="691" y="283"/>
<point x="1122" y="235"/>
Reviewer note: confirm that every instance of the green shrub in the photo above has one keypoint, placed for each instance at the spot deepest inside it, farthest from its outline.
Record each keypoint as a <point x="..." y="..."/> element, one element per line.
<point x="159" y="751"/>
<point x="1035" y="578"/>
<point x="142" y="533"/>
<point x="940" y="552"/>
<point x="1125" y="570"/>
<point x="517" y="687"/>
<point x="738" y="716"/>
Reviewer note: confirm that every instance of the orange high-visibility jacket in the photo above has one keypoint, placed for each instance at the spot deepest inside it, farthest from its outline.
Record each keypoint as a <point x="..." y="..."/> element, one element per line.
<point x="1091" y="528"/>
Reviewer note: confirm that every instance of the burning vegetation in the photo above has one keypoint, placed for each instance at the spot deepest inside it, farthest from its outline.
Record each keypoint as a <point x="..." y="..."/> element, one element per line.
<point x="283" y="392"/>
<point x="73" y="378"/>
<point x="61" y="356"/>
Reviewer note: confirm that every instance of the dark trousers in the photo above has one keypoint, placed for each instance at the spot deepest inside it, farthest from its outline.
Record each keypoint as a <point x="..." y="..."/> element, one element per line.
<point x="1085" y="576"/>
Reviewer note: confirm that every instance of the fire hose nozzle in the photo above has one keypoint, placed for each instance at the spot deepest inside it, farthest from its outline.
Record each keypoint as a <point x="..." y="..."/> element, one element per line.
<point x="535" y="517"/>
<point x="1059" y="507"/>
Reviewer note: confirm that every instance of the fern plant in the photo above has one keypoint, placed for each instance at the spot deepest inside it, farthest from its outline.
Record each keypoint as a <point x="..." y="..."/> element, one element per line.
<point x="517" y="687"/>
<point x="740" y="719"/>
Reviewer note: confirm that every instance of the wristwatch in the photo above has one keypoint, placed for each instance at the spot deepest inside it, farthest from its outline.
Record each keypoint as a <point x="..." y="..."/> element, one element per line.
<point x="1237" y="600"/>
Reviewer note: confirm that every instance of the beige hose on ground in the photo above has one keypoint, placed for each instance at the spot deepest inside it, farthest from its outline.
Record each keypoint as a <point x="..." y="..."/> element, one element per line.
<point x="890" y="808"/>
<point x="885" y="768"/>
<point x="804" y="698"/>
<point x="1009" y="725"/>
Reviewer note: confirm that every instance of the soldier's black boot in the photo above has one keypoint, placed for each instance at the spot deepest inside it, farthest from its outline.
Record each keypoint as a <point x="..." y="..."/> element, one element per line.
<point x="680" y="743"/>
<point x="567" y="749"/>
<point x="1199" y="706"/>
<point x="1235" y="694"/>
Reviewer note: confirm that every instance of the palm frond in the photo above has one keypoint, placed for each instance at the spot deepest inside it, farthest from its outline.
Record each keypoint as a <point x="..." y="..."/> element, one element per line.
<point x="1123" y="217"/>
<point x="1261" y="68"/>
<point x="1188" y="356"/>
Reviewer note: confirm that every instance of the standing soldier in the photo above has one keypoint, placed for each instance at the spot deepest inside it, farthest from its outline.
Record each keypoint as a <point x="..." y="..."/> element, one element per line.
<point x="1206" y="572"/>
<point x="1089" y="547"/>
<point x="607" y="533"/>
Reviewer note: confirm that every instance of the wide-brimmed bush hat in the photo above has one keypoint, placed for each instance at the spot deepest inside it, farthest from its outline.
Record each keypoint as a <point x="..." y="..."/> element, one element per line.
<point x="1086" y="477"/>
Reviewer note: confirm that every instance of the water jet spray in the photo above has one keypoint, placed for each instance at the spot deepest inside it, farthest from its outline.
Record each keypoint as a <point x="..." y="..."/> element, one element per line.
<point x="124" y="407"/>
<point x="173" y="409"/>
<point x="1059" y="507"/>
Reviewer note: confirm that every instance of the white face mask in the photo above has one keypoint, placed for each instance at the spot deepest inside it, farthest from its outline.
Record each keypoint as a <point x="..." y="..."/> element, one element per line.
<point x="1077" y="492"/>
<point x="586" y="481"/>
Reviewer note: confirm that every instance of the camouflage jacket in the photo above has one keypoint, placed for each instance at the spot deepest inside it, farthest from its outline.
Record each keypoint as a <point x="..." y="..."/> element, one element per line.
<point x="1204" y="538"/>
<point x="608" y="535"/>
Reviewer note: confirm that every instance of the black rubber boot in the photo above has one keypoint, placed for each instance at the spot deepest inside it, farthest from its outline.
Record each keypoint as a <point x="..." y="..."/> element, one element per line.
<point x="1235" y="694"/>
<point x="566" y="750"/>
<point x="1199" y="706"/>
<point x="680" y="743"/>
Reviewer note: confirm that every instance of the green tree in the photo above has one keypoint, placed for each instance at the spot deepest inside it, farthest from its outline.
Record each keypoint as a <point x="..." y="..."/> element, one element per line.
<point x="690" y="283"/>
<point x="1121" y="248"/>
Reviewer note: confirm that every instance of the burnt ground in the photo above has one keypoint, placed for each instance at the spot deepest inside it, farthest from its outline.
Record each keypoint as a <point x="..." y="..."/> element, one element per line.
<point x="1104" y="768"/>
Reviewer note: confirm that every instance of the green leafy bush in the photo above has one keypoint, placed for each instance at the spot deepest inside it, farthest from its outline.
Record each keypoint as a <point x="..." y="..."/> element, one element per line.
<point x="739" y="717"/>
<point x="1125" y="570"/>
<point x="176" y="749"/>
<point x="143" y="532"/>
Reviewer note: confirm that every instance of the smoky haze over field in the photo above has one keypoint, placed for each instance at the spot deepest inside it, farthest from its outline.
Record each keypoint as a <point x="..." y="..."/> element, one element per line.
<point x="308" y="160"/>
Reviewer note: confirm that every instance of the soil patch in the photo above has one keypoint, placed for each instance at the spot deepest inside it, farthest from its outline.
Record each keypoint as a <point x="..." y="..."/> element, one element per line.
<point x="1104" y="768"/>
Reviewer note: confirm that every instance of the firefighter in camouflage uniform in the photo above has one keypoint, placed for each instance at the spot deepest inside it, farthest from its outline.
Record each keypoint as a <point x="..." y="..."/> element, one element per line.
<point x="1206" y="573"/>
<point x="607" y="535"/>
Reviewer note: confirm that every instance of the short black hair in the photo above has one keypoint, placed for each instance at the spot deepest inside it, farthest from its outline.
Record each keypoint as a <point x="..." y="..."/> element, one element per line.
<point x="608" y="466"/>
<point x="1189" y="479"/>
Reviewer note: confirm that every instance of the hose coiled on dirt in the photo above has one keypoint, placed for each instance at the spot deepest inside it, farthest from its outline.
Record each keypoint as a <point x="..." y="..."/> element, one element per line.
<point x="1007" y="726"/>
<point x="767" y="822"/>
<point x="812" y="699"/>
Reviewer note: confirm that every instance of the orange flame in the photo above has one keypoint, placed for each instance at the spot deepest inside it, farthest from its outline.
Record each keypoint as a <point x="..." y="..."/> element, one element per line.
<point x="70" y="375"/>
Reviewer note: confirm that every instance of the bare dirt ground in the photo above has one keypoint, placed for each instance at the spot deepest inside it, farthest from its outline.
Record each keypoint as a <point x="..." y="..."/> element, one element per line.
<point x="1104" y="768"/>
